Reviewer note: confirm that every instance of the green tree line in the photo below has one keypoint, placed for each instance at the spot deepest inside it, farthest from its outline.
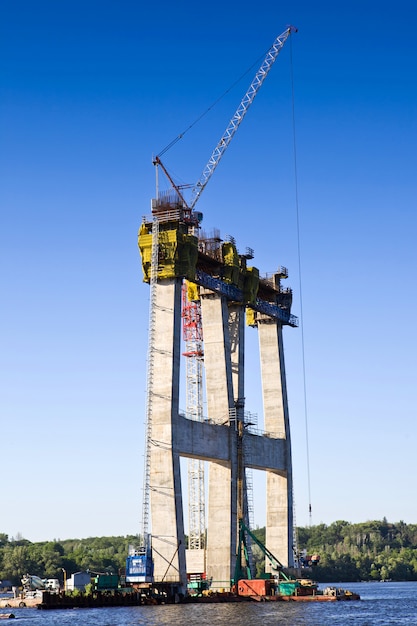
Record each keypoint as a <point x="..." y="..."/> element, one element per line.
<point x="373" y="550"/>
<point x="48" y="559"/>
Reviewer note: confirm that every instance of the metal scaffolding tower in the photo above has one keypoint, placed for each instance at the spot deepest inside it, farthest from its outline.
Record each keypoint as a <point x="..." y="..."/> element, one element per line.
<point x="149" y="385"/>
<point x="193" y="338"/>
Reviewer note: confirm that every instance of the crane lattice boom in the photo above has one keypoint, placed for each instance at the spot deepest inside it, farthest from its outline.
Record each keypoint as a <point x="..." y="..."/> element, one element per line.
<point x="241" y="111"/>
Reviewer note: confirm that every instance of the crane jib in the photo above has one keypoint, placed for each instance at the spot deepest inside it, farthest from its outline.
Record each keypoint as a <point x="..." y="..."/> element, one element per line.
<point x="240" y="113"/>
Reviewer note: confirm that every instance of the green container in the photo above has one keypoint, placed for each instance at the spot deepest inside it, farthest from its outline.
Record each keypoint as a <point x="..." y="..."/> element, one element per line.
<point x="287" y="588"/>
<point x="106" y="581"/>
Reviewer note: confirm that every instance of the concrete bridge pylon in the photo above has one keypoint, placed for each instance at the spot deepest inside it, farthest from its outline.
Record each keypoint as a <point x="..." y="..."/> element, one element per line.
<point x="230" y="294"/>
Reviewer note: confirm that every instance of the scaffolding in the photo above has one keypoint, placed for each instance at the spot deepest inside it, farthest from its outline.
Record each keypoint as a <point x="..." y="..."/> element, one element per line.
<point x="149" y="385"/>
<point x="193" y="339"/>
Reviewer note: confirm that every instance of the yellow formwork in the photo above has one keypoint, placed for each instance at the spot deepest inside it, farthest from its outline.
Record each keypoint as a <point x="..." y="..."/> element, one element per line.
<point x="178" y="257"/>
<point x="251" y="284"/>
<point x="250" y="317"/>
<point x="236" y="272"/>
<point x="177" y="254"/>
<point x="193" y="293"/>
<point x="231" y="263"/>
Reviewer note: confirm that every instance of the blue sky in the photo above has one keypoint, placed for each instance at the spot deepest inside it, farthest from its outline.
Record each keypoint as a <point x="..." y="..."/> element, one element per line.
<point x="89" y="91"/>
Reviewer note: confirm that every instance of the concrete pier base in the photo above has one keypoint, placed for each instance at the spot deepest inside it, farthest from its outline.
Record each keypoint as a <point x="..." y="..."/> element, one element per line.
<point x="216" y="440"/>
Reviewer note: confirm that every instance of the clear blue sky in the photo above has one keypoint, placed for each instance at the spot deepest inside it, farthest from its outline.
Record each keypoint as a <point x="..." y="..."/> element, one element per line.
<point x="89" y="91"/>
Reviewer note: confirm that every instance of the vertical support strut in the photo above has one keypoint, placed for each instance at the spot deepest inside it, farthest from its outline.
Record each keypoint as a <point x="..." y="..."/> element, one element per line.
<point x="279" y="500"/>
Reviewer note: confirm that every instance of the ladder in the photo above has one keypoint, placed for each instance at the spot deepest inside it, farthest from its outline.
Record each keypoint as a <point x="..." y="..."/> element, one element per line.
<point x="149" y="383"/>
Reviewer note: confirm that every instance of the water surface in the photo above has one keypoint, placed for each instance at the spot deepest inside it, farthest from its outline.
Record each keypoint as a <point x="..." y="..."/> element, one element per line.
<point x="381" y="604"/>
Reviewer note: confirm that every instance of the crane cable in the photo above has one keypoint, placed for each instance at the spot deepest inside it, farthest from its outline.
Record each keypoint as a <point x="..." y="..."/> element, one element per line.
<point x="300" y="284"/>
<point x="181" y="135"/>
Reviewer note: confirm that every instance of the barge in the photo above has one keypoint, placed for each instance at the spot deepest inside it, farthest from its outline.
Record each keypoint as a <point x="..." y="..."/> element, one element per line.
<point x="303" y="590"/>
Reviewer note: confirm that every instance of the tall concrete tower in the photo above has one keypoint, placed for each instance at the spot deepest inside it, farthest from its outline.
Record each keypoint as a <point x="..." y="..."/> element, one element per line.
<point x="231" y="294"/>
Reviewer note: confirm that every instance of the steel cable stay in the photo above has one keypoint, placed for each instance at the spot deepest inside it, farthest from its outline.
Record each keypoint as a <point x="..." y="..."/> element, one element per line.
<point x="300" y="283"/>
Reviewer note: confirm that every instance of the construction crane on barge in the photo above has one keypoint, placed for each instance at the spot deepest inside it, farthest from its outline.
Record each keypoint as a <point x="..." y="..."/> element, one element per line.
<point x="140" y="559"/>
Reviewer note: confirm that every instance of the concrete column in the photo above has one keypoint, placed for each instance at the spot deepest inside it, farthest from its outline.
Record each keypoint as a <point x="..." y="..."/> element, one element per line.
<point x="165" y="478"/>
<point x="279" y="497"/>
<point x="222" y="496"/>
<point x="237" y="353"/>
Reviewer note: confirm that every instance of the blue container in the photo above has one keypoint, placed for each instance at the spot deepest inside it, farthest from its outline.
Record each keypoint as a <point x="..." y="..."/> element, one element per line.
<point x="139" y="568"/>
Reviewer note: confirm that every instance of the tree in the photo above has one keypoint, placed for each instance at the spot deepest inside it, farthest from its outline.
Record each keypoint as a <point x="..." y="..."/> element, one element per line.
<point x="17" y="562"/>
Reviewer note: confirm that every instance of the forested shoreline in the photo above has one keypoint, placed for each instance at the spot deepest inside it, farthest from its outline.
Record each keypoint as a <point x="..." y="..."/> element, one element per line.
<point x="373" y="550"/>
<point x="48" y="559"/>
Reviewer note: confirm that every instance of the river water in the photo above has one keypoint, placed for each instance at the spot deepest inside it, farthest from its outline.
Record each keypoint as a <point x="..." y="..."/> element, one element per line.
<point x="381" y="604"/>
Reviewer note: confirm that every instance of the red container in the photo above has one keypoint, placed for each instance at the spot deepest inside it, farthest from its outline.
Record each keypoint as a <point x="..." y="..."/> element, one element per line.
<point x="255" y="587"/>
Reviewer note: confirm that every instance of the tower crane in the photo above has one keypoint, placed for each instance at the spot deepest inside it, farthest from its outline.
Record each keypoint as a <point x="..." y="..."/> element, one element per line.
<point x="189" y="216"/>
<point x="234" y="123"/>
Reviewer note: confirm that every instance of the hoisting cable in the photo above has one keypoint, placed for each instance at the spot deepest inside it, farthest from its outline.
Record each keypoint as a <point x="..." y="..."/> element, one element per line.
<point x="300" y="285"/>
<point x="181" y="135"/>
